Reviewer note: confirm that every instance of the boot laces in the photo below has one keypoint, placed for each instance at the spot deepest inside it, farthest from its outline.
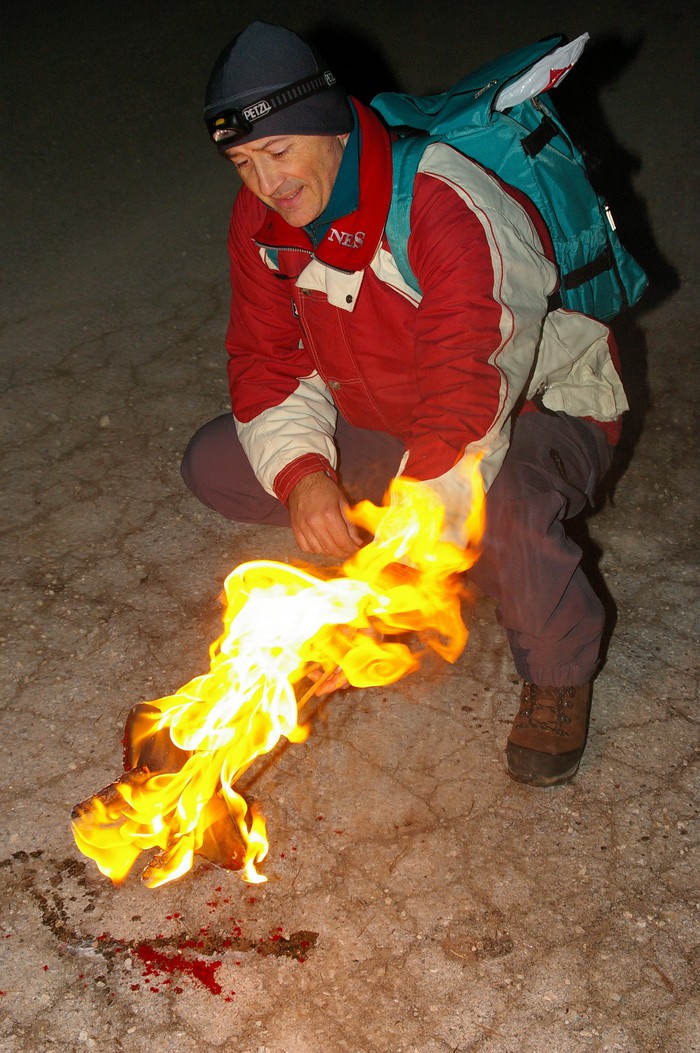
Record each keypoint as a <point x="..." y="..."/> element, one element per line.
<point x="552" y="703"/>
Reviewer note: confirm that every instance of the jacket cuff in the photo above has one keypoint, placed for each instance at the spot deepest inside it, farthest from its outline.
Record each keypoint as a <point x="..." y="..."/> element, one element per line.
<point x="296" y="470"/>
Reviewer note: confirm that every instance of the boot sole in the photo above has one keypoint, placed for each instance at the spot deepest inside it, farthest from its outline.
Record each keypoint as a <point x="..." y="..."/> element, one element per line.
<point x="527" y="772"/>
<point x="542" y="780"/>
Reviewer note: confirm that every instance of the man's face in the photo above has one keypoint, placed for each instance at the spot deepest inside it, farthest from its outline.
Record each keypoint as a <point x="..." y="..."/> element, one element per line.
<point x="293" y="174"/>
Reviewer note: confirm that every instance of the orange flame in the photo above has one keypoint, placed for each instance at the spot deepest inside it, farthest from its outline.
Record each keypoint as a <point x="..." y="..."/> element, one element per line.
<point x="280" y="624"/>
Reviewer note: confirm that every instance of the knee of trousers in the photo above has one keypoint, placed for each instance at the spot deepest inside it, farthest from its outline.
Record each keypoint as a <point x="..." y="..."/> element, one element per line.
<point x="212" y="461"/>
<point x="217" y="471"/>
<point x="532" y="568"/>
<point x="525" y="548"/>
<point x="195" y="466"/>
<point x="517" y="526"/>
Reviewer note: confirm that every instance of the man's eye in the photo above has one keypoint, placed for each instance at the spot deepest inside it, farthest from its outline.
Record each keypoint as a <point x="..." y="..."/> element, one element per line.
<point x="281" y="153"/>
<point x="242" y="164"/>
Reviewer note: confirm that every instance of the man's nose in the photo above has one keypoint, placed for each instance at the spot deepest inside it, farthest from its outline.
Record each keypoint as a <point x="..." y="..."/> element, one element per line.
<point x="269" y="178"/>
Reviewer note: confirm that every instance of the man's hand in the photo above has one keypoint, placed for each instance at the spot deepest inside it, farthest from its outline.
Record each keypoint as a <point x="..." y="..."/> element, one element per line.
<point x="318" y="512"/>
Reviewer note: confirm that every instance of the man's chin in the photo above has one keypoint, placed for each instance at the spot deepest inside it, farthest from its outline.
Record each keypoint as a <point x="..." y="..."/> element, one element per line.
<point x="291" y="221"/>
<point x="293" y="218"/>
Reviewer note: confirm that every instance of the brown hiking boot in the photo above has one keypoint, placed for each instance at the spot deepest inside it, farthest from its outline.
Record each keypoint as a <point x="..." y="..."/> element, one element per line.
<point x="548" y="736"/>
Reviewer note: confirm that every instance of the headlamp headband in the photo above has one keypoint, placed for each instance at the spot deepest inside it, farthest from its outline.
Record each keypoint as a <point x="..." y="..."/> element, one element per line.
<point x="232" y="124"/>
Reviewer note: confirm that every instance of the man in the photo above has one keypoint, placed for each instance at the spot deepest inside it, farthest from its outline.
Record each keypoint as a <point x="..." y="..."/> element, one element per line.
<point x="341" y="375"/>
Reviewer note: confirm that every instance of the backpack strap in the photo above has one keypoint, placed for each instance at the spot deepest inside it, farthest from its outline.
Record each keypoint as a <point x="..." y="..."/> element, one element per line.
<point x="406" y="157"/>
<point x="420" y="121"/>
<point x="406" y="154"/>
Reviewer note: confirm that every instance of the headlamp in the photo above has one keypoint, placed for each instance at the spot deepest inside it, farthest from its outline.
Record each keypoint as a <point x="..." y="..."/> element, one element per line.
<point x="230" y="125"/>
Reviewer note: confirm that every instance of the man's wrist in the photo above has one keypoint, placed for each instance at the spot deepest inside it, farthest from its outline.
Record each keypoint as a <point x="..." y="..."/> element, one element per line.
<point x="295" y="471"/>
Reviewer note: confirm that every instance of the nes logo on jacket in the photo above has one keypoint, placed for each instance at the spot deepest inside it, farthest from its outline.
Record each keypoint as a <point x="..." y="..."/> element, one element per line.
<point x="350" y="241"/>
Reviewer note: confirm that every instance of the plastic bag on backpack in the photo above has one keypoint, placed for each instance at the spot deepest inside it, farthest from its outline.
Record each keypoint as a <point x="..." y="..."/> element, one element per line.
<point x="545" y="74"/>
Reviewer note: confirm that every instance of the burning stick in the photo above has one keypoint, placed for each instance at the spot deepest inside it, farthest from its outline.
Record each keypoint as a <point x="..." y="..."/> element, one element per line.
<point x="183" y="753"/>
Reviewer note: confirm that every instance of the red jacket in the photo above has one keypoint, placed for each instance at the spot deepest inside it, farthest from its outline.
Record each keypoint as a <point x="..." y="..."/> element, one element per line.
<point x="337" y="327"/>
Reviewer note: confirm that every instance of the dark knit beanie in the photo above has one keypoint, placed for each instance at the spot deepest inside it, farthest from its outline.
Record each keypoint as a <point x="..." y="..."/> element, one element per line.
<point x="259" y="62"/>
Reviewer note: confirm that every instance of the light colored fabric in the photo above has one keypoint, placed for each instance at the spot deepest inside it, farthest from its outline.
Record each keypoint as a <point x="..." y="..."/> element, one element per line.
<point x="341" y="289"/>
<point x="304" y="423"/>
<point x="574" y="371"/>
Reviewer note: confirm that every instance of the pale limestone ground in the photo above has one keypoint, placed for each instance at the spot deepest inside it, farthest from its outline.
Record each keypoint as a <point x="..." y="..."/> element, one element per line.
<point x="441" y="907"/>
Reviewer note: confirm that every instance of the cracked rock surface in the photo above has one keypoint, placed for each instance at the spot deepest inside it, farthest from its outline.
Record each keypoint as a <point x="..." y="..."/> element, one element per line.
<point x="418" y="900"/>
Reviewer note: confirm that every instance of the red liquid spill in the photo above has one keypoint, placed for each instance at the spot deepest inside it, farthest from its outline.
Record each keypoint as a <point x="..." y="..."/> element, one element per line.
<point x="158" y="962"/>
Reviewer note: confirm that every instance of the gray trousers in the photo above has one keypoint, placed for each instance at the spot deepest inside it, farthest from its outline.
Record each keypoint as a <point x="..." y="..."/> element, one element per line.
<point x="553" y="619"/>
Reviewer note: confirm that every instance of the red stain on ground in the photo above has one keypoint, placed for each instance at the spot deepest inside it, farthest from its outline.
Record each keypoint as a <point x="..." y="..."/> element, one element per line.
<point x="158" y="962"/>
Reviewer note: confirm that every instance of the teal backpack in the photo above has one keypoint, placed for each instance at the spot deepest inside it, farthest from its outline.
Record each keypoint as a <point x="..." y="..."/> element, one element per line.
<point x="527" y="146"/>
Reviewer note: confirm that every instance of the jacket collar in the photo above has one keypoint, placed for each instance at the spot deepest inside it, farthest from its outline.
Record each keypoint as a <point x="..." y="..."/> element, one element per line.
<point x="350" y="243"/>
<point x="345" y="193"/>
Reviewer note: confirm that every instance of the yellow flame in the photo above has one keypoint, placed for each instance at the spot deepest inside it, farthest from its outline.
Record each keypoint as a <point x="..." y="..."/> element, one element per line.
<point x="280" y="623"/>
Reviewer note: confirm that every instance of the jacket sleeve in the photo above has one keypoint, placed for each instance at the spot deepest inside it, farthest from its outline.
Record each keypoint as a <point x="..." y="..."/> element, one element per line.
<point x="485" y="278"/>
<point x="285" y="417"/>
